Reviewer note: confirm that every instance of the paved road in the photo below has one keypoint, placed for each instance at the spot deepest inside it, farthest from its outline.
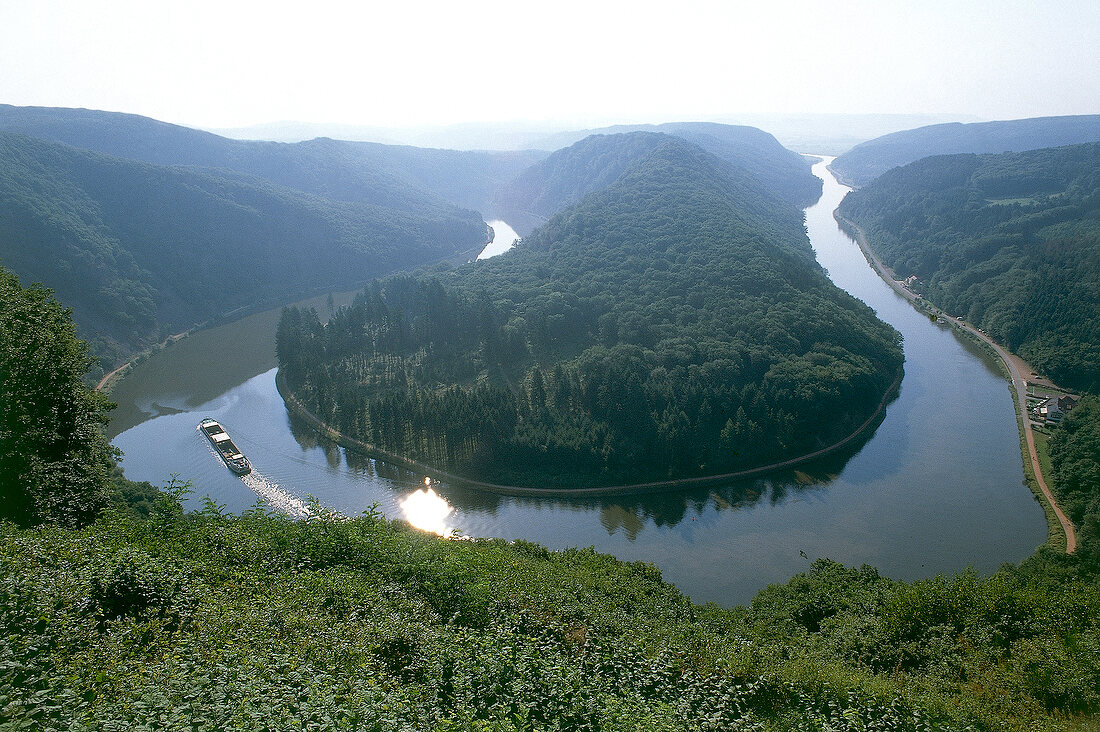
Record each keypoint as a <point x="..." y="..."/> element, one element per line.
<point x="1016" y="368"/>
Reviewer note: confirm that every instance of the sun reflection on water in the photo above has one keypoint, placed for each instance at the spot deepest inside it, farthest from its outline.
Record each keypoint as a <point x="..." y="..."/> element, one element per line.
<point x="427" y="511"/>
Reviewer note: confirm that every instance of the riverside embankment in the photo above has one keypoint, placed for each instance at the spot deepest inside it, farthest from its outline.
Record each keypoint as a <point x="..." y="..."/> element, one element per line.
<point x="1015" y="368"/>
<point x="296" y="406"/>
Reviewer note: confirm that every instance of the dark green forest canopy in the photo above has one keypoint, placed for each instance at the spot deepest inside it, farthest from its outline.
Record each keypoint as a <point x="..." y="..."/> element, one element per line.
<point x="596" y="161"/>
<point x="673" y="324"/>
<point x="139" y="251"/>
<point x="870" y="159"/>
<point x="54" y="459"/>
<point x="1011" y="242"/>
<point x="1075" y="454"/>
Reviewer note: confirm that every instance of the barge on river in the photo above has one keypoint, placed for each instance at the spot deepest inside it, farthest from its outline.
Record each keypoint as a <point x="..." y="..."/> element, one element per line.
<point x="224" y="446"/>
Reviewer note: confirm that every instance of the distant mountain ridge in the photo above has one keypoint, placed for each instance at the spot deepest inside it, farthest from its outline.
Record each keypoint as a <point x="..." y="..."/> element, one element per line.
<point x="870" y="159"/>
<point x="386" y="175"/>
<point x="818" y="133"/>
<point x="753" y="149"/>
<point x="140" y="250"/>
<point x="596" y="161"/>
<point x="567" y="175"/>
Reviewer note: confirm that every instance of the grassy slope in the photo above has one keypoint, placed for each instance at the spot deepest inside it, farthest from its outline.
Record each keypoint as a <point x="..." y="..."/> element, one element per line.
<point x="257" y="622"/>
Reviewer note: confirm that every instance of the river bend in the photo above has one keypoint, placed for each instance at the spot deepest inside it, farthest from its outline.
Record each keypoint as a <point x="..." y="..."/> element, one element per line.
<point x="937" y="487"/>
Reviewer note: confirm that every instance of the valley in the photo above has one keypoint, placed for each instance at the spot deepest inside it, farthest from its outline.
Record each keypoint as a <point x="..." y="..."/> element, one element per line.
<point x="576" y="384"/>
<point x="572" y="367"/>
<point x="922" y="494"/>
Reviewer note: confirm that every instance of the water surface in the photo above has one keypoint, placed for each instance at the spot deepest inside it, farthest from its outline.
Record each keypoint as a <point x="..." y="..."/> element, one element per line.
<point x="937" y="487"/>
<point x="504" y="238"/>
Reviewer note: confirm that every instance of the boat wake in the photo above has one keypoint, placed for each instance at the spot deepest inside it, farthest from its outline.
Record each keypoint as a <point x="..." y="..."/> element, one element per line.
<point x="276" y="497"/>
<point x="272" y="493"/>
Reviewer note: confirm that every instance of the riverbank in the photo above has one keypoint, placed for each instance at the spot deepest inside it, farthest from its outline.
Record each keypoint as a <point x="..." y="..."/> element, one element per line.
<point x="351" y="443"/>
<point x="112" y="377"/>
<point x="840" y="177"/>
<point x="1014" y="367"/>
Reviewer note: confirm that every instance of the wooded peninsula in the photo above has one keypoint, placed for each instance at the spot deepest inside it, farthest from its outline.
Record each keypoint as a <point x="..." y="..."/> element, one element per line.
<point x="672" y="324"/>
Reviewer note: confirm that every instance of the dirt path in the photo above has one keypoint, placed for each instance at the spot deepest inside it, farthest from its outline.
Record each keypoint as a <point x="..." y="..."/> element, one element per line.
<point x="107" y="379"/>
<point x="109" y="376"/>
<point x="1017" y="369"/>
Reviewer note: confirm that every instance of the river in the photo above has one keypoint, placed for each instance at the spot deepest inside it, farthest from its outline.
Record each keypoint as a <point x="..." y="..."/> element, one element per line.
<point x="937" y="487"/>
<point x="504" y="237"/>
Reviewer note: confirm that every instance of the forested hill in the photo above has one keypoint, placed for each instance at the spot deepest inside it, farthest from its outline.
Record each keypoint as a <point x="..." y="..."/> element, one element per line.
<point x="139" y="251"/>
<point x="870" y="159"/>
<point x="784" y="171"/>
<point x="567" y="175"/>
<point x="596" y="161"/>
<point x="387" y="175"/>
<point x="672" y="324"/>
<point x="1011" y="242"/>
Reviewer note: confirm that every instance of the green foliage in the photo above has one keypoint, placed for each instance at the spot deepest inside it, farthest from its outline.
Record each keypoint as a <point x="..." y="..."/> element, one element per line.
<point x="868" y="160"/>
<point x="137" y="499"/>
<point x="1008" y="637"/>
<point x="674" y="324"/>
<point x="1025" y="271"/>
<point x="141" y="251"/>
<point x="1075" y="454"/>
<point x="131" y="582"/>
<point x="259" y="622"/>
<point x="54" y="459"/>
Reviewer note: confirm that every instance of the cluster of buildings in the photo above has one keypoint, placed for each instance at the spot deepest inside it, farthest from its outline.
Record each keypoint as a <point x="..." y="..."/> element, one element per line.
<point x="1052" y="409"/>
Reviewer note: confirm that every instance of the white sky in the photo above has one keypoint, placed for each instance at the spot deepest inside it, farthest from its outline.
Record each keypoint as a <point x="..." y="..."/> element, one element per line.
<point x="406" y="62"/>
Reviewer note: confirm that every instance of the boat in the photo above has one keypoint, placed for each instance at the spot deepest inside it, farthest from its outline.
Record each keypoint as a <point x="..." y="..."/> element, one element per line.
<point x="224" y="446"/>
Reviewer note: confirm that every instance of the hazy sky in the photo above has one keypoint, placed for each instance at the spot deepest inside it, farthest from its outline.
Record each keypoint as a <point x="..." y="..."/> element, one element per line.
<point x="403" y="62"/>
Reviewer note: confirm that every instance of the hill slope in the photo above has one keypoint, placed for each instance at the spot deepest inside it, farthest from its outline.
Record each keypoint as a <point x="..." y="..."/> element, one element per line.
<point x="785" y="172"/>
<point x="596" y="161"/>
<point x="567" y="175"/>
<point x="672" y="324"/>
<point x="870" y="159"/>
<point x="1011" y="242"/>
<point x="139" y="250"/>
<point x="387" y="175"/>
